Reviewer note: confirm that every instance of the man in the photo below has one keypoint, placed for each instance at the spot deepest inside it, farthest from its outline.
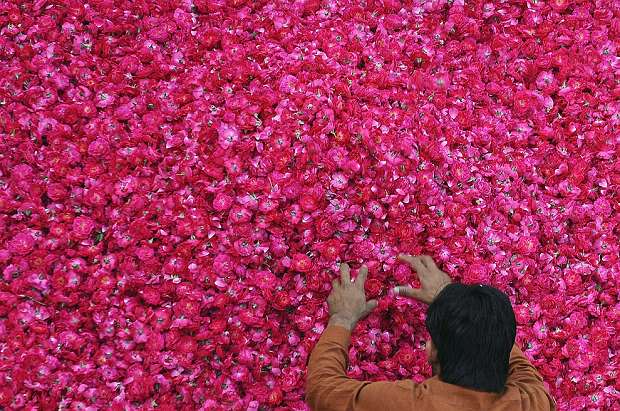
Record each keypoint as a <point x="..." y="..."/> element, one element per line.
<point x="476" y="365"/>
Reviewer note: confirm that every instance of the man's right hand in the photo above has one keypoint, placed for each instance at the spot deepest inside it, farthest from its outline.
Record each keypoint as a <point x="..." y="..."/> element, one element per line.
<point x="432" y="279"/>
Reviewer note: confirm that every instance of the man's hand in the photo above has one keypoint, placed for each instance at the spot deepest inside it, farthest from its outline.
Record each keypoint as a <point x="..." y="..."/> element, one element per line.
<point x="347" y="301"/>
<point x="432" y="279"/>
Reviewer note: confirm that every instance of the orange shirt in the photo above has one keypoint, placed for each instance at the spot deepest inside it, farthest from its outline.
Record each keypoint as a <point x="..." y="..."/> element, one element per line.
<point x="328" y="387"/>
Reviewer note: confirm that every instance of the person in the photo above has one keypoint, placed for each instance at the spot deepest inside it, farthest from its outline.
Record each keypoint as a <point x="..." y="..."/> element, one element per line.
<point x="476" y="364"/>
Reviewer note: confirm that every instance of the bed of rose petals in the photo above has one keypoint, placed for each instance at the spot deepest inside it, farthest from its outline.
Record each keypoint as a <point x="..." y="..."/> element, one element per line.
<point x="178" y="181"/>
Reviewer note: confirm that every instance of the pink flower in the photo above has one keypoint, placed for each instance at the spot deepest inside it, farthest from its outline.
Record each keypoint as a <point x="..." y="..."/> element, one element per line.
<point x="546" y="82"/>
<point x="22" y="243"/>
<point x="140" y="388"/>
<point x="264" y="279"/>
<point x="373" y="287"/>
<point x="239" y="215"/>
<point x="228" y="135"/>
<point x="560" y="5"/>
<point x="56" y="191"/>
<point x="98" y="148"/>
<point x="524" y="102"/>
<point x="21" y="171"/>
<point x="223" y="264"/>
<point x="222" y="202"/>
<point x="406" y="356"/>
<point x="302" y="263"/>
<point x="281" y="300"/>
<point x="339" y="181"/>
<point x="145" y="253"/>
<point x="151" y="295"/>
<point x="527" y="245"/>
<point x="83" y="227"/>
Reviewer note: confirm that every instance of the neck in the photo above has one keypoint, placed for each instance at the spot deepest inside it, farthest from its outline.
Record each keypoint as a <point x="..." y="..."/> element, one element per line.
<point x="436" y="369"/>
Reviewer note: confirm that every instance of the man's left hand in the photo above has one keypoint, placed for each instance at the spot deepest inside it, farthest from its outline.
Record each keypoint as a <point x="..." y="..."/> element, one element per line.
<point x="347" y="301"/>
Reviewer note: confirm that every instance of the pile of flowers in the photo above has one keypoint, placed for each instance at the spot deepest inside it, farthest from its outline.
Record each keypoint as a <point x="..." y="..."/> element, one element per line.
<point x="179" y="180"/>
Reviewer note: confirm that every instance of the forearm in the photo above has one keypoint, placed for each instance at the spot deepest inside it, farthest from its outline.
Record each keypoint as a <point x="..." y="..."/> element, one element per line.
<point x="523" y="375"/>
<point x="327" y="384"/>
<point x="520" y="369"/>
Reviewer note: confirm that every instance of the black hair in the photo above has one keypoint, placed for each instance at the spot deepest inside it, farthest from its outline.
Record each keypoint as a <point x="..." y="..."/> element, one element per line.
<point x="473" y="328"/>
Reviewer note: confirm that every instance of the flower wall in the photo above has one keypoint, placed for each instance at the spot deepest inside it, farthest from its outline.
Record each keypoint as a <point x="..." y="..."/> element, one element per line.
<point x="179" y="180"/>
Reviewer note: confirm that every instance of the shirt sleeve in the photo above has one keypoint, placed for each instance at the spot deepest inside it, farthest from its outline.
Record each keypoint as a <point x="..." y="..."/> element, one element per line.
<point x="523" y="375"/>
<point x="329" y="389"/>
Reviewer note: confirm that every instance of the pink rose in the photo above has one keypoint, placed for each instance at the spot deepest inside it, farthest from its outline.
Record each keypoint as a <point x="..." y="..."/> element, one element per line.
<point x="223" y="264"/>
<point x="98" y="148"/>
<point x="145" y="253"/>
<point x="22" y="244"/>
<point x="56" y="191"/>
<point x="281" y="300"/>
<point x="141" y="388"/>
<point x="228" y="135"/>
<point x="151" y="295"/>
<point x="302" y="263"/>
<point x="373" y="287"/>
<point x="21" y="172"/>
<point x="227" y="193"/>
<point x="527" y="245"/>
<point x="406" y="356"/>
<point x="82" y="227"/>
<point x="264" y="279"/>
<point x="222" y="202"/>
<point x="339" y="181"/>
<point x="243" y="247"/>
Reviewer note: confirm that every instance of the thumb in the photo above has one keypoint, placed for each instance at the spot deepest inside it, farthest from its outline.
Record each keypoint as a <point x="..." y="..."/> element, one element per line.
<point x="406" y="291"/>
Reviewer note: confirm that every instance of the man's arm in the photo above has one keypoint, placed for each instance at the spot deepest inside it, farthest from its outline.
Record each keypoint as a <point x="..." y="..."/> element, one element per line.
<point x="327" y="386"/>
<point x="329" y="389"/>
<point x="523" y="375"/>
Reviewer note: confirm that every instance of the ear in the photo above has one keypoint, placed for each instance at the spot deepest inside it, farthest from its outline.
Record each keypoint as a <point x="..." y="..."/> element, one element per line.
<point x="431" y="352"/>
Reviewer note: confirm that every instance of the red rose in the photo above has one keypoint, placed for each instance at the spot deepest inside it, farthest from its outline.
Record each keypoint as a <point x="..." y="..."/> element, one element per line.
<point x="218" y="326"/>
<point x="22" y="243"/>
<point x="83" y="227"/>
<point x="140" y="388"/>
<point x="573" y="282"/>
<point x="281" y="300"/>
<point x="308" y="203"/>
<point x="98" y="148"/>
<point x="187" y="308"/>
<point x="151" y="295"/>
<point x="275" y="397"/>
<point x="222" y="202"/>
<point x="56" y="191"/>
<point x="302" y="263"/>
<point x="373" y="287"/>
<point x="406" y="356"/>
<point x="7" y="396"/>
<point x="139" y="230"/>
<point x="325" y="228"/>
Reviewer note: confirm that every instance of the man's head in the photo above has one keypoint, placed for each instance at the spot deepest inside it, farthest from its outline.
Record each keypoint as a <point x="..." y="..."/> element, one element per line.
<point x="473" y="329"/>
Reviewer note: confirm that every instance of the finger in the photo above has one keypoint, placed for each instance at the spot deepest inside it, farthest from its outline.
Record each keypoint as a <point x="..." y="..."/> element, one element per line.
<point x="345" y="273"/>
<point x="404" y="257"/>
<point x="406" y="291"/>
<point x="361" y="276"/>
<point x="370" y="305"/>
<point x="428" y="262"/>
<point x="414" y="262"/>
<point x="335" y="284"/>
